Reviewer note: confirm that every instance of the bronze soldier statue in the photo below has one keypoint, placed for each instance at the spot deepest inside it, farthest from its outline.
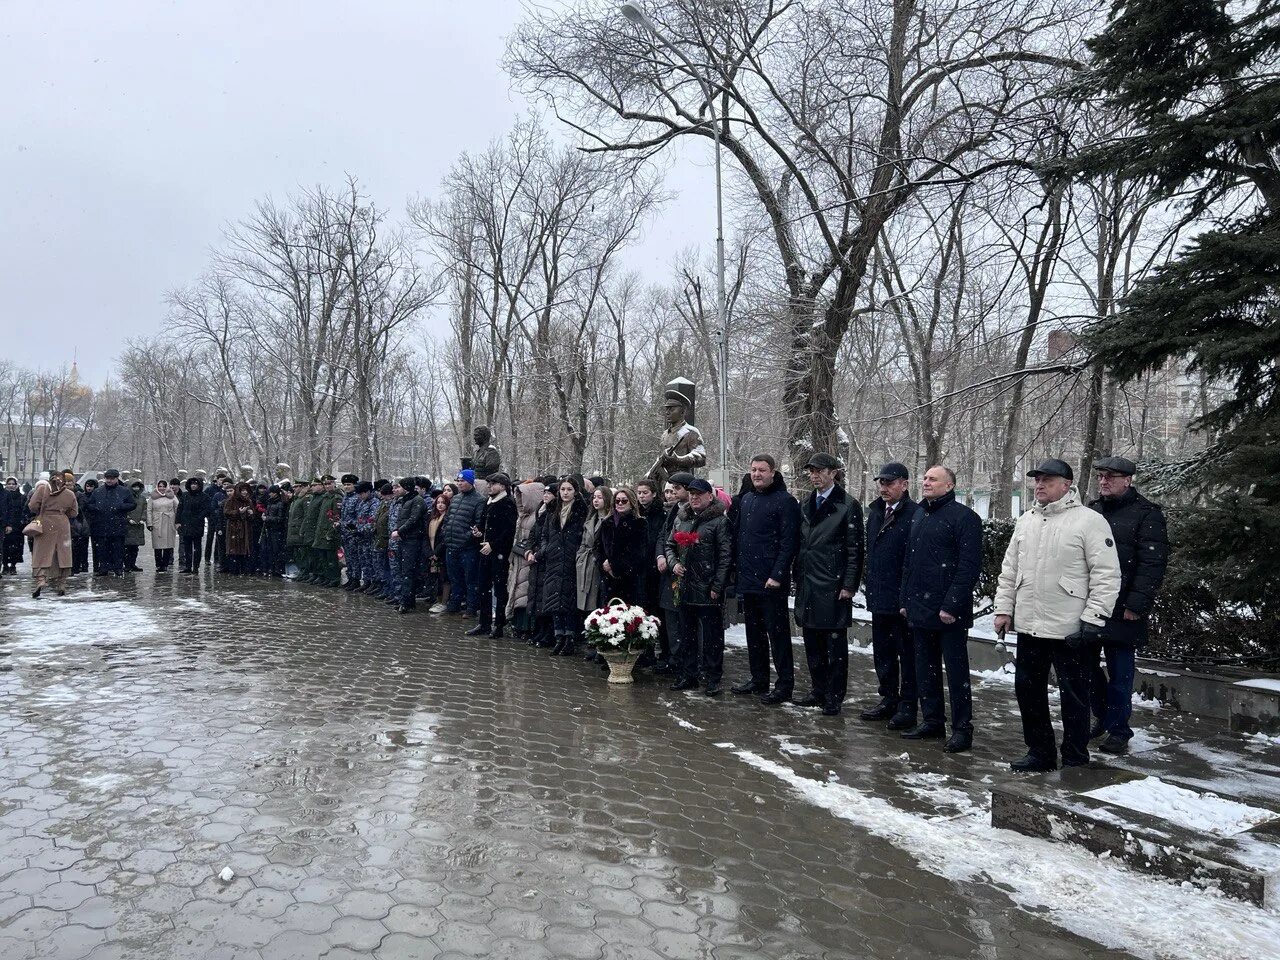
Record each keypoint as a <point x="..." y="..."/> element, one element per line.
<point x="682" y="447"/>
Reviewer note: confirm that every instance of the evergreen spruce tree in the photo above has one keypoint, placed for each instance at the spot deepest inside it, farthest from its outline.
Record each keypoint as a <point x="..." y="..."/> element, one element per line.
<point x="1197" y="83"/>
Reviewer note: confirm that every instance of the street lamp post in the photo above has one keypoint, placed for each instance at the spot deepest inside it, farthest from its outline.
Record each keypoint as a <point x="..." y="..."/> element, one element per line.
<point x="634" y="13"/>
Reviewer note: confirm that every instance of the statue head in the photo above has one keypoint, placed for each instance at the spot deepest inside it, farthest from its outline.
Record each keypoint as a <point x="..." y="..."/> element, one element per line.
<point x="283" y="470"/>
<point x="675" y="407"/>
<point x="482" y="436"/>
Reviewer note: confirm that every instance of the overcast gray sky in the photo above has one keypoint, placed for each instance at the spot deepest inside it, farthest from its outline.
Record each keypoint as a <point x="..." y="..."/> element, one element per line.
<point x="132" y="130"/>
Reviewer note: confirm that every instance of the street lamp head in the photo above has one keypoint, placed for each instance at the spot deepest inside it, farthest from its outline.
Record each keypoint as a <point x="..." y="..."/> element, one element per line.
<point x="633" y="13"/>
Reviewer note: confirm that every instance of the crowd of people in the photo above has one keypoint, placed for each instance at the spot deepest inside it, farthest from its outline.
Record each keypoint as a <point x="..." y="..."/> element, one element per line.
<point x="533" y="558"/>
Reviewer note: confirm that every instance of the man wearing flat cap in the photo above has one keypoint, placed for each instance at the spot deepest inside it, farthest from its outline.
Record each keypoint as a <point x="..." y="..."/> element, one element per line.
<point x="669" y="611"/>
<point x="109" y="507"/>
<point x="828" y="568"/>
<point x="1058" y="586"/>
<point x="889" y="520"/>
<point x="1142" y="545"/>
<point x="682" y="447"/>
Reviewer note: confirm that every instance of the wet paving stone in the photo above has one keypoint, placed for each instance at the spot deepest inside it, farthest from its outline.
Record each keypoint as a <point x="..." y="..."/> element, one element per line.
<point x="385" y="787"/>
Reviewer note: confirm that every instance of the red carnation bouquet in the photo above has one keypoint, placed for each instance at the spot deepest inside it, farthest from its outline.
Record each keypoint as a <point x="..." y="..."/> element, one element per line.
<point x="685" y="540"/>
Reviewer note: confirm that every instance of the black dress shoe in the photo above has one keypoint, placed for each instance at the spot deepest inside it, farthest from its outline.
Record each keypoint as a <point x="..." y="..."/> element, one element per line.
<point x="749" y="687"/>
<point x="478" y="630"/>
<point x="831" y="710"/>
<point x="35" y="594"/>
<point x="712" y="690"/>
<point x="496" y="633"/>
<point x="902" y="721"/>
<point x="925" y="731"/>
<point x="809" y="701"/>
<point x="958" y="743"/>
<point x="1096" y="730"/>
<point x="1032" y="764"/>
<point x="688" y="683"/>
<point x="881" y="711"/>
<point x="403" y="609"/>
<point x="1114" y="745"/>
<point x="775" y="697"/>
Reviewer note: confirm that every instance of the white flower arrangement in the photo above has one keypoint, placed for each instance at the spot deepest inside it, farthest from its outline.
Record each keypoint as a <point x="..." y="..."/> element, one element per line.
<point x="622" y="628"/>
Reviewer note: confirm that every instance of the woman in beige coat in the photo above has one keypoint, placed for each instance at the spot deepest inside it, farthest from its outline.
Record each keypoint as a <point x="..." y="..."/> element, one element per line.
<point x="528" y="497"/>
<point x="162" y="511"/>
<point x="53" y="505"/>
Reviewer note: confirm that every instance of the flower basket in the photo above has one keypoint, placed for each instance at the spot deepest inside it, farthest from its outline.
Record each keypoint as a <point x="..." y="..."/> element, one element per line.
<point x="620" y="633"/>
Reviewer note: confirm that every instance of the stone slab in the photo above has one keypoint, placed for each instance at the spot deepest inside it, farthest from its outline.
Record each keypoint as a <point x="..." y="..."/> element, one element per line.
<point x="1254" y="709"/>
<point x="1245" y="866"/>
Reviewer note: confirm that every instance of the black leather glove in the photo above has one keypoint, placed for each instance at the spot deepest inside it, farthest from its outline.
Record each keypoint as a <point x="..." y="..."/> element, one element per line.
<point x="1086" y="634"/>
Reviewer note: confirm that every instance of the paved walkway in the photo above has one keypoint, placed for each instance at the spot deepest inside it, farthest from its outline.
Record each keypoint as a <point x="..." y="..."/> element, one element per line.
<point x="383" y="786"/>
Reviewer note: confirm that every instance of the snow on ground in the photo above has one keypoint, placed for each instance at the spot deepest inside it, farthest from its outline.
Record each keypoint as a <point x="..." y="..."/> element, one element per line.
<point x="684" y="723"/>
<point x="787" y="745"/>
<point x="1201" y="812"/>
<point x="1097" y="899"/>
<point x="47" y="625"/>
<point x="190" y="603"/>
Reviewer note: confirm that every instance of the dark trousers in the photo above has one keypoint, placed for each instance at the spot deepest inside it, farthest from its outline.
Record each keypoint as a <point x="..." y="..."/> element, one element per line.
<point x="164" y="559"/>
<point x="893" y="651"/>
<point x="13" y="545"/>
<point x="189" y="552"/>
<point x="464" y="580"/>
<point x="769" y="630"/>
<point x="237" y="563"/>
<point x="130" y="555"/>
<point x="273" y="555"/>
<point x="1031" y="683"/>
<point x="410" y="551"/>
<point x="492" y="589"/>
<point x="701" y="631"/>
<point x="210" y="538"/>
<point x="96" y="562"/>
<point x="1111" y="690"/>
<point x="111" y="551"/>
<point x="79" y="554"/>
<point x="324" y="564"/>
<point x="671" y="627"/>
<point x="828" y="654"/>
<point x="566" y="623"/>
<point x="949" y="645"/>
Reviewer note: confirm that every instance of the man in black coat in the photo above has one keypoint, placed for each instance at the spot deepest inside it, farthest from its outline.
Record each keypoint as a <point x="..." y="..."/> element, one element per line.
<point x="109" y="506"/>
<point x="678" y="486"/>
<point x="1142" y="544"/>
<point x="409" y="532"/>
<point x="889" y="521"/>
<point x="944" y="558"/>
<point x="766" y="522"/>
<point x="828" y="568"/>
<point x="497" y="536"/>
<point x="702" y="574"/>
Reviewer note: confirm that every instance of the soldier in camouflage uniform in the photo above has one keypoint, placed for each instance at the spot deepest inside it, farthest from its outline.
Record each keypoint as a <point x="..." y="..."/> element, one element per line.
<point x="347" y="504"/>
<point x="362" y="542"/>
<point x="382" y="543"/>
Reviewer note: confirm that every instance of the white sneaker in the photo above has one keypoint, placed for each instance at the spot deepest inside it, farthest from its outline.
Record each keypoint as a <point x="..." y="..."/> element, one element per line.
<point x="436" y="608"/>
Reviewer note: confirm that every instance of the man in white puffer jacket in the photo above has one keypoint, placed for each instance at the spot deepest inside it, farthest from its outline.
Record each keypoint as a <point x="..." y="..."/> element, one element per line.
<point x="1058" y="585"/>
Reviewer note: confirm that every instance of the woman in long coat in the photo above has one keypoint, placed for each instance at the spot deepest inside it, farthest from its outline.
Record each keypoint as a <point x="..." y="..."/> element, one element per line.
<point x="238" y="511"/>
<point x="622" y="547"/>
<point x="135" y="535"/>
<point x="54" y="506"/>
<point x="589" y="574"/>
<point x="556" y="543"/>
<point x="528" y="497"/>
<point x="162" y="512"/>
<point x="13" y="514"/>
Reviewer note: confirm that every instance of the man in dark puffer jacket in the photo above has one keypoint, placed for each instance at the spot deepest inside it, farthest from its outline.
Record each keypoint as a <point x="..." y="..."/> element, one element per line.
<point x="462" y="529"/>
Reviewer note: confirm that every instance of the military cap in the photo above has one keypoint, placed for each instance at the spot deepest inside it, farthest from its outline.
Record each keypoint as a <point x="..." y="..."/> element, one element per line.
<point x="682" y="478"/>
